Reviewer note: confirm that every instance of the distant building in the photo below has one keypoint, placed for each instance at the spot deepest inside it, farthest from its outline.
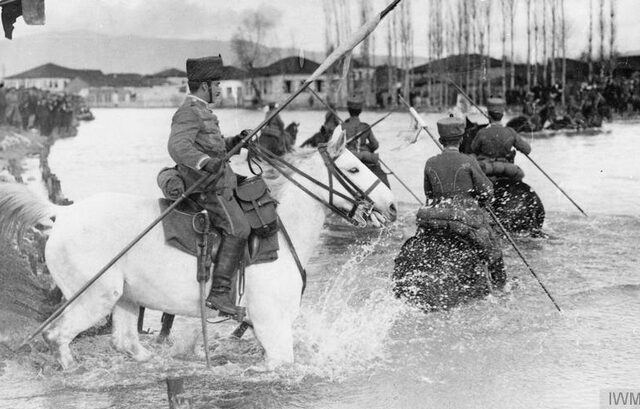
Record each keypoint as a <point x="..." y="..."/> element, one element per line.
<point x="49" y="77"/>
<point x="278" y="81"/>
<point x="232" y="85"/>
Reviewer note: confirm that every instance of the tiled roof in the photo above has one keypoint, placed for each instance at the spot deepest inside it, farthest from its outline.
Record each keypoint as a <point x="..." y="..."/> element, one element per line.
<point x="289" y="65"/>
<point x="51" y="70"/>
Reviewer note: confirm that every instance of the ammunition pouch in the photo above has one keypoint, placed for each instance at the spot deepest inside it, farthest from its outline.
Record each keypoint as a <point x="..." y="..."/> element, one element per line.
<point x="259" y="207"/>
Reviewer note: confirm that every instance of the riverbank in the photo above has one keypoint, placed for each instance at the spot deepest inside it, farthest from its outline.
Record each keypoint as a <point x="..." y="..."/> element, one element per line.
<point x="27" y="294"/>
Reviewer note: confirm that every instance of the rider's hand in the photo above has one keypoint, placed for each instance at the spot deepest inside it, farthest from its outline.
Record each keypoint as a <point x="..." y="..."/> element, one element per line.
<point x="246" y="132"/>
<point x="212" y="165"/>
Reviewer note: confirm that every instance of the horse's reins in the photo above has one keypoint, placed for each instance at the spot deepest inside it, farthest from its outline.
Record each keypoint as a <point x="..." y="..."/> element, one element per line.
<point x="362" y="205"/>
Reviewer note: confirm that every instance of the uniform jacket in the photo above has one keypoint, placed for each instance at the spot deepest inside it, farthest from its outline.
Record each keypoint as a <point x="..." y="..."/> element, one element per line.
<point x="366" y="141"/>
<point x="453" y="174"/>
<point x="496" y="141"/>
<point x="195" y="137"/>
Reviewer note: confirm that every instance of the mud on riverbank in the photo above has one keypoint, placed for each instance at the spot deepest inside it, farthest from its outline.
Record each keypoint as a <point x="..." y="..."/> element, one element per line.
<point x="27" y="293"/>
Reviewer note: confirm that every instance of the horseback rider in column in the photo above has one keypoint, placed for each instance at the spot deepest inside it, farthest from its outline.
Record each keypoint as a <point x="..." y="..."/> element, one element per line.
<point x="454" y="179"/>
<point x="365" y="145"/>
<point x="198" y="148"/>
<point x="496" y="143"/>
<point x="273" y="135"/>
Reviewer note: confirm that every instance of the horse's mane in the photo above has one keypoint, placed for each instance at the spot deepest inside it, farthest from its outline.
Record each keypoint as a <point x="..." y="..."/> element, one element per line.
<point x="275" y="180"/>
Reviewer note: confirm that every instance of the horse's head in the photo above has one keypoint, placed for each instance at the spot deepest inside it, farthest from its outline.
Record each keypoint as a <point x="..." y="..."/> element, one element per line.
<point x="292" y="129"/>
<point x="361" y="184"/>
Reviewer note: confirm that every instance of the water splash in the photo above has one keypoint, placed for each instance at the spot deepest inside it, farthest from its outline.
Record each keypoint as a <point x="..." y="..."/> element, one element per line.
<point x="346" y="329"/>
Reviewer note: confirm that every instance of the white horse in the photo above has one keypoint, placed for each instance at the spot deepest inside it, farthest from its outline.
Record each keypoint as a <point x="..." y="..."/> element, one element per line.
<point x="87" y="234"/>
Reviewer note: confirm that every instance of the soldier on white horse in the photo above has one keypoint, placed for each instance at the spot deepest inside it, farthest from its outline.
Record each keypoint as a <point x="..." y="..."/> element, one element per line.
<point x="87" y="234"/>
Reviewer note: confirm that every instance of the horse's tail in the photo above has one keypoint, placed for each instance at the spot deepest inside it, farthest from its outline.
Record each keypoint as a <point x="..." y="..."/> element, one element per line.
<point x="20" y="209"/>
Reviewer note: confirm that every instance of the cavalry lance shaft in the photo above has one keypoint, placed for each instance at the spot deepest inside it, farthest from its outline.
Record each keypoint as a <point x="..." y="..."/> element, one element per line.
<point x="335" y="113"/>
<point x="491" y="213"/>
<point x="420" y="121"/>
<point x="338" y="53"/>
<point x="528" y="157"/>
<point x="356" y="136"/>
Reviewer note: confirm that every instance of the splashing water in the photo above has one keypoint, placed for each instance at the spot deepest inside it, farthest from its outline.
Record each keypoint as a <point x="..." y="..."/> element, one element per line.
<point x="346" y="328"/>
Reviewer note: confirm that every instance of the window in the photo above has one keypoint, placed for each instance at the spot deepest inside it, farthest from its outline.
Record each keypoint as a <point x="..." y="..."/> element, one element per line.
<point x="287" y="87"/>
<point x="319" y="85"/>
<point x="229" y="92"/>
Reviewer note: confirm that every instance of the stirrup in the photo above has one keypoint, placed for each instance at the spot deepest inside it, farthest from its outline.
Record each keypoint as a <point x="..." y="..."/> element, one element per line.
<point x="238" y="314"/>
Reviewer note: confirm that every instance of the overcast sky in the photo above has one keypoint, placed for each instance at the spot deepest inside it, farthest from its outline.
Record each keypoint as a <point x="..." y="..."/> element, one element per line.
<point x="301" y="22"/>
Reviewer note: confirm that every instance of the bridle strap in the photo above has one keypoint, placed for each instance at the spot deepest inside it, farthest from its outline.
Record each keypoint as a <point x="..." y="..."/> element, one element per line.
<point x="331" y="206"/>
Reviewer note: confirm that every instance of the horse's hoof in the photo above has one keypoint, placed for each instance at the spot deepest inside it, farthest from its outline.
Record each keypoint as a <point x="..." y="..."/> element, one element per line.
<point x="164" y="340"/>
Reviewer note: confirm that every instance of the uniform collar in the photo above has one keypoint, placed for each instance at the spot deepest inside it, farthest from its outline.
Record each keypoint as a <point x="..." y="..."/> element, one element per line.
<point x="198" y="99"/>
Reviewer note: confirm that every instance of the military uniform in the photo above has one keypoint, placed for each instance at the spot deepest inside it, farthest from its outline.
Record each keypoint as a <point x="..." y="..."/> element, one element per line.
<point x="452" y="174"/>
<point x="366" y="144"/>
<point x="196" y="144"/>
<point x="453" y="179"/>
<point x="495" y="141"/>
<point x="273" y="136"/>
<point x="195" y="137"/>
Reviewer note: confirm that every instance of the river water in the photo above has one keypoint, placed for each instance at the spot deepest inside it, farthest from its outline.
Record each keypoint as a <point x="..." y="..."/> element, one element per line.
<point x="357" y="346"/>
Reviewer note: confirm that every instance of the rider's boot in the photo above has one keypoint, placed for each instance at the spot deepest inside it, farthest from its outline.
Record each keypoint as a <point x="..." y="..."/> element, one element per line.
<point x="230" y="254"/>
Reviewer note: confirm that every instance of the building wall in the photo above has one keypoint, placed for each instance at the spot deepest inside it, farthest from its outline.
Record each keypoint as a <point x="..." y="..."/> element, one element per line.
<point x="232" y="93"/>
<point x="278" y="88"/>
<point x="48" y="84"/>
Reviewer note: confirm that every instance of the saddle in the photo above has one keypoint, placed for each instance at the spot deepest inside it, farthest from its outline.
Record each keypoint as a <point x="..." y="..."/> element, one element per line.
<point x="461" y="217"/>
<point x="184" y="226"/>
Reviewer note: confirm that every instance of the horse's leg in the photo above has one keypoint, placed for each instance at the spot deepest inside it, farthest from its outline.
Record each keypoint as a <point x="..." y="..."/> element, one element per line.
<point x="125" y="330"/>
<point x="85" y="312"/>
<point x="274" y="330"/>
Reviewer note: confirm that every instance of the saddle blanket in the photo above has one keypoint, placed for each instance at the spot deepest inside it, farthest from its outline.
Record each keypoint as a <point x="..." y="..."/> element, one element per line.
<point x="180" y="232"/>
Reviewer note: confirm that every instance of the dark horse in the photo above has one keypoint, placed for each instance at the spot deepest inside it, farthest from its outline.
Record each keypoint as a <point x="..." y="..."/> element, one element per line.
<point x="281" y="143"/>
<point x="517" y="206"/>
<point x="438" y="269"/>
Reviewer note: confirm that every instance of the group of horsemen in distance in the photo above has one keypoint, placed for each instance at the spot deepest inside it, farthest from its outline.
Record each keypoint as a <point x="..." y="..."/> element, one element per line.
<point x="459" y="178"/>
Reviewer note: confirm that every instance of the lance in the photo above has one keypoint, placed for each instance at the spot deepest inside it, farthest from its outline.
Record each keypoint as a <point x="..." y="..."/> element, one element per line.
<point x="356" y="136"/>
<point x="338" y="53"/>
<point x="491" y="213"/>
<point x="527" y="156"/>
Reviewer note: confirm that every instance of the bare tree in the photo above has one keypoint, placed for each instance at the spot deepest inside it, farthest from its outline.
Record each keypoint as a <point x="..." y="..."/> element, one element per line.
<point x="247" y="42"/>
<point x="590" y="52"/>
<point x="535" y="44"/>
<point x="512" y="10"/>
<point x="554" y="31"/>
<point x="505" y="14"/>
<point x="488" y="58"/>
<point x="564" y="53"/>
<point x="544" y="42"/>
<point x="602" y="39"/>
<point x="406" y="45"/>
<point x="528" y="44"/>
<point x="612" y="37"/>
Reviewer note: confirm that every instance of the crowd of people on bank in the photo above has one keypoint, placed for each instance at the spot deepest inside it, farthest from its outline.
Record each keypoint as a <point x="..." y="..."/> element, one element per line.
<point x="32" y="108"/>
<point x="586" y="104"/>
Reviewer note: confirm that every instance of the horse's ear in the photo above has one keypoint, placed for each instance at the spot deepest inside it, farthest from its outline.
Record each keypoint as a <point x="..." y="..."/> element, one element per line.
<point x="338" y="142"/>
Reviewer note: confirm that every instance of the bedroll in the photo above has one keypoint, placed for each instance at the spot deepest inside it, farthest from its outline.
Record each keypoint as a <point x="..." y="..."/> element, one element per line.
<point x="497" y="168"/>
<point x="467" y="221"/>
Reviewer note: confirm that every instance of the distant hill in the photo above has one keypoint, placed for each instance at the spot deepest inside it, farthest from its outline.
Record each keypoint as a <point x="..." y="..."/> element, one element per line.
<point x="89" y="50"/>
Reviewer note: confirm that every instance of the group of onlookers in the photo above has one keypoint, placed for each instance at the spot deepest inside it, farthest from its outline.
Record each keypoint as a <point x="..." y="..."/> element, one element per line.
<point x="33" y="108"/>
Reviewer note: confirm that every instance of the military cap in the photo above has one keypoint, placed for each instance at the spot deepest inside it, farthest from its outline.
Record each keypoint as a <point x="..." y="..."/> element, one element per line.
<point x="451" y="129"/>
<point x="496" y="105"/>
<point x="204" y="69"/>
<point x="355" y="102"/>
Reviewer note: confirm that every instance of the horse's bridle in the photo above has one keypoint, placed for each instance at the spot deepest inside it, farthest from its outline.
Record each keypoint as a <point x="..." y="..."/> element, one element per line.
<point x="362" y="204"/>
